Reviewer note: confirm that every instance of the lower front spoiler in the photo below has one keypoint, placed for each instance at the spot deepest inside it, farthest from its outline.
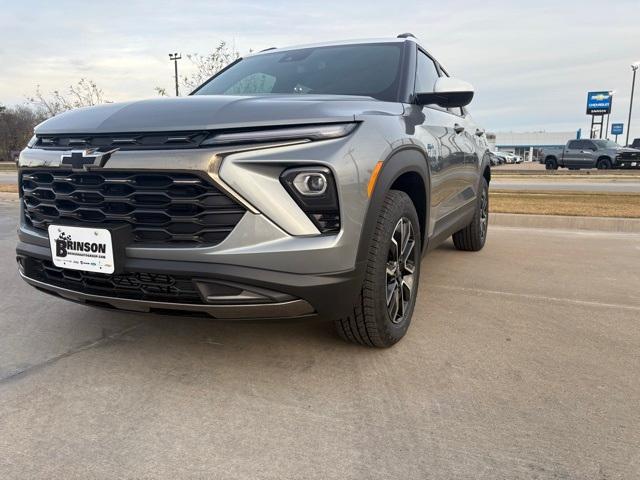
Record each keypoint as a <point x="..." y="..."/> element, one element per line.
<point x="290" y="309"/>
<point x="328" y="296"/>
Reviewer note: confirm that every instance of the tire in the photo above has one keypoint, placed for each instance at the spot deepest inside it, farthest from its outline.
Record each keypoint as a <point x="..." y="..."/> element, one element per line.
<point x="551" y="164"/>
<point x="603" y="164"/>
<point x="473" y="237"/>
<point x="381" y="314"/>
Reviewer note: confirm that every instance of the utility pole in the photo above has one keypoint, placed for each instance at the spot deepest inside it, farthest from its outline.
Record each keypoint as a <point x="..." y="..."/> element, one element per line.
<point x="634" y="67"/>
<point x="175" y="57"/>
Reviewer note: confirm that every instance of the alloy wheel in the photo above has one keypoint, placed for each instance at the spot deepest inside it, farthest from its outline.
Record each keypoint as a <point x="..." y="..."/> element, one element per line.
<point x="401" y="265"/>
<point x="484" y="213"/>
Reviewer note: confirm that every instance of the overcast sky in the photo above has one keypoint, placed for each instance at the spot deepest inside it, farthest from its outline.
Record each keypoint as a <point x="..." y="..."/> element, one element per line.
<point x="531" y="62"/>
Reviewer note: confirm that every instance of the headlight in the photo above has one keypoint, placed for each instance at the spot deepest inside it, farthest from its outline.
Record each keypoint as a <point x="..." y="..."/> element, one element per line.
<point x="32" y="142"/>
<point x="314" y="190"/>
<point x="311" y="132"/>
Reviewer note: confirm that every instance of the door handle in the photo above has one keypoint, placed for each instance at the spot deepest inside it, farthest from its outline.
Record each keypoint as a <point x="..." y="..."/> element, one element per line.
<point x="458" y="128"/>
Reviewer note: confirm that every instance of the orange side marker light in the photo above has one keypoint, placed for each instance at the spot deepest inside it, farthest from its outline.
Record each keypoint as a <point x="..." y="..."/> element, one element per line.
<point x="374" y="178"/>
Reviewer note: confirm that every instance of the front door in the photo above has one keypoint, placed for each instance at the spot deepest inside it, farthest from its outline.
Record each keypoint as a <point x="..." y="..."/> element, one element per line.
<point x="572" y="154"/>
<point x="445" y="137"/>
<point x="585" y="158"/>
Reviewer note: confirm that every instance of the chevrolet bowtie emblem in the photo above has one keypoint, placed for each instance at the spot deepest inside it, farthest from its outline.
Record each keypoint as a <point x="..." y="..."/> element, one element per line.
<point x="86" y="159"/>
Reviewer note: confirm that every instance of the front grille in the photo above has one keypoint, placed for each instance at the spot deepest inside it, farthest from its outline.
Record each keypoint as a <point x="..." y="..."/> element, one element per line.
<point x="629" y="156"/>
<point x="176" y="208"/>
<point x="135" y="285"/>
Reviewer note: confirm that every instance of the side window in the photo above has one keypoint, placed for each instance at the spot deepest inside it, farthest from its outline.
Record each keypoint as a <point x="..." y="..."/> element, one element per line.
<point x="587" y="145"/>
<point x="574" y="145"/>
<point x="426" y="74"/>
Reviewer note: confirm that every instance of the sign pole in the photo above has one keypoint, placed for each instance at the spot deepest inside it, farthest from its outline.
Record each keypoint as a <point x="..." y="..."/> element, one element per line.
<point x="601" y="123"/>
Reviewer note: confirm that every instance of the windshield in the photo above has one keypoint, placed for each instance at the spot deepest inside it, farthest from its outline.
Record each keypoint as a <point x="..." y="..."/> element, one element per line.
<point x="369" y="69"/>
<point x="606" y="144"/>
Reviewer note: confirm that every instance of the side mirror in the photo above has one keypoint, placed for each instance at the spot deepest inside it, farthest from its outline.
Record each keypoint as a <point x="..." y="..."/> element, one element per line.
<point x="448" y="93"/>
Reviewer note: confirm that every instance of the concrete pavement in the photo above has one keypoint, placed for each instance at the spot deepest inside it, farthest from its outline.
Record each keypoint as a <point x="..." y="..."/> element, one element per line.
<point x="7" y="178"/>
<point x="522" y="363"/>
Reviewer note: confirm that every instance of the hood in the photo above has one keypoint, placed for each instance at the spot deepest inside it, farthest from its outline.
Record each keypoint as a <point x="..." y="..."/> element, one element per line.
<point x="627" y="150"/>
<point x="208" y="112"/>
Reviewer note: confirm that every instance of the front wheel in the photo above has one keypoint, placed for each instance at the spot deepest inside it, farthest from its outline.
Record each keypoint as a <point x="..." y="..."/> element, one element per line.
<point x="473" y="237"/>
<point x="382" y="312"/>
<point x="551" y="164"/>
<point x="603" y="164"/>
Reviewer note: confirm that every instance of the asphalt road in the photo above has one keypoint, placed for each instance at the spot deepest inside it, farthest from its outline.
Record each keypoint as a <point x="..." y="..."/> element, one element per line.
<point x="522" y="363"/>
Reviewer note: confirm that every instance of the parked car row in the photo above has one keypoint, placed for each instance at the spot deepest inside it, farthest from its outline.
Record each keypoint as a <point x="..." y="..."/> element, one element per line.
<point x="500" y="158"/>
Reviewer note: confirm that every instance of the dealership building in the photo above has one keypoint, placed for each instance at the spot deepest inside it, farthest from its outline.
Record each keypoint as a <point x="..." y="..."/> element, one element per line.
<point x="528" y="144"/>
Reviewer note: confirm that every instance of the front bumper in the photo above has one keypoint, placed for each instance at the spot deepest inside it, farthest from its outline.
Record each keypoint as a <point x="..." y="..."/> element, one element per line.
<point x="627" y="163"/>
<point x="328" y="296"/>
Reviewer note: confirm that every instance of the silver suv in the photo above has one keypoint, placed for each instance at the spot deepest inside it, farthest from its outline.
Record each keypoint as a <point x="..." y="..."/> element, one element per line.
<point x="297" y="182"/>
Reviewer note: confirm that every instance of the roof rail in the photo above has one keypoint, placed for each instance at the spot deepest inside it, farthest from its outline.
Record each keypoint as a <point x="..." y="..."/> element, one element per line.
<point x="407" y="35"/>
<point x="267" y="49"/>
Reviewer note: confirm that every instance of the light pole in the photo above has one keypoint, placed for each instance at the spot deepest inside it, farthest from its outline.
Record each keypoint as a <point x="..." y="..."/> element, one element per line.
<point x="175" y="57"/>
<point x="634" y="67"/>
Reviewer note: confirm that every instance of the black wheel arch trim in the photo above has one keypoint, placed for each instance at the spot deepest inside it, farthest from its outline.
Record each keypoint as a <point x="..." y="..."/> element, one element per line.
<point x="406" y="159"/>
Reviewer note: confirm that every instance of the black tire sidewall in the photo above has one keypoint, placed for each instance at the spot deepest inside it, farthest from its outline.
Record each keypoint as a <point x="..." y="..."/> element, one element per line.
<point x="401" y="207"/>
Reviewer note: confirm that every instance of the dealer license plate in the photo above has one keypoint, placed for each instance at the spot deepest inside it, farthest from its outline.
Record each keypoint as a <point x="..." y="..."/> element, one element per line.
<point x="80" y="248"/>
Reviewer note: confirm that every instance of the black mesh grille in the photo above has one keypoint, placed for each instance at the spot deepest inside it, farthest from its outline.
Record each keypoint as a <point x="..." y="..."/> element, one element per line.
<point x="162" y="207"/>
<point x="629" y="155"/>
<point x="137" y="286"/>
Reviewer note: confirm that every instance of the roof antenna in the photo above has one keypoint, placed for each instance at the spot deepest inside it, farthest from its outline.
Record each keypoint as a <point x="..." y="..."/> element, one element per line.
<point x="407" y="35"/>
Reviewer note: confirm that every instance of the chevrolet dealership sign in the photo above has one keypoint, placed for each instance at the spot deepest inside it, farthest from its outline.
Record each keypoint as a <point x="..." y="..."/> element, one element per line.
<point x="598" y="103"/>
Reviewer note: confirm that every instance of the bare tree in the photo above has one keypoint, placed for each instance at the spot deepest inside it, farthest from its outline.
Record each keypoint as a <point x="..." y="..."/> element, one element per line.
<point x="208" y="65"/>
<point x="84" y="93"/>
<point x="16" y="127"/>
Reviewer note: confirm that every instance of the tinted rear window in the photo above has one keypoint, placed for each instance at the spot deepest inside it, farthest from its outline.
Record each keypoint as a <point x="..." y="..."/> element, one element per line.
<point x="368" y="69"/>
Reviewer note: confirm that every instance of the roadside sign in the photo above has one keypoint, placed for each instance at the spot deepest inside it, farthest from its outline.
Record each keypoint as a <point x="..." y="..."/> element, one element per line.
<point x="598" y="103"/>
<point x="617" y="128"/>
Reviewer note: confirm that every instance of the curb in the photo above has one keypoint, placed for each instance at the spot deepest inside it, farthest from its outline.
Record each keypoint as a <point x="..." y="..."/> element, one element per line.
<point x="561" y="222"/>
<point x="8" y="196"/>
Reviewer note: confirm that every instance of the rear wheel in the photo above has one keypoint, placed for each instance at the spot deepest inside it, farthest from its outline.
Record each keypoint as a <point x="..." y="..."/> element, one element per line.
<point x="603" y="164"/>
<point x="382" y="312"/>
<point x="473" y="237"/>
<point x="551" y="164"/>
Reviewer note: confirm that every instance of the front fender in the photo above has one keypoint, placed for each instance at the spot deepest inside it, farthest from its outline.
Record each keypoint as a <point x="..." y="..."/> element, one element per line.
<point x="402" y="160"/>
